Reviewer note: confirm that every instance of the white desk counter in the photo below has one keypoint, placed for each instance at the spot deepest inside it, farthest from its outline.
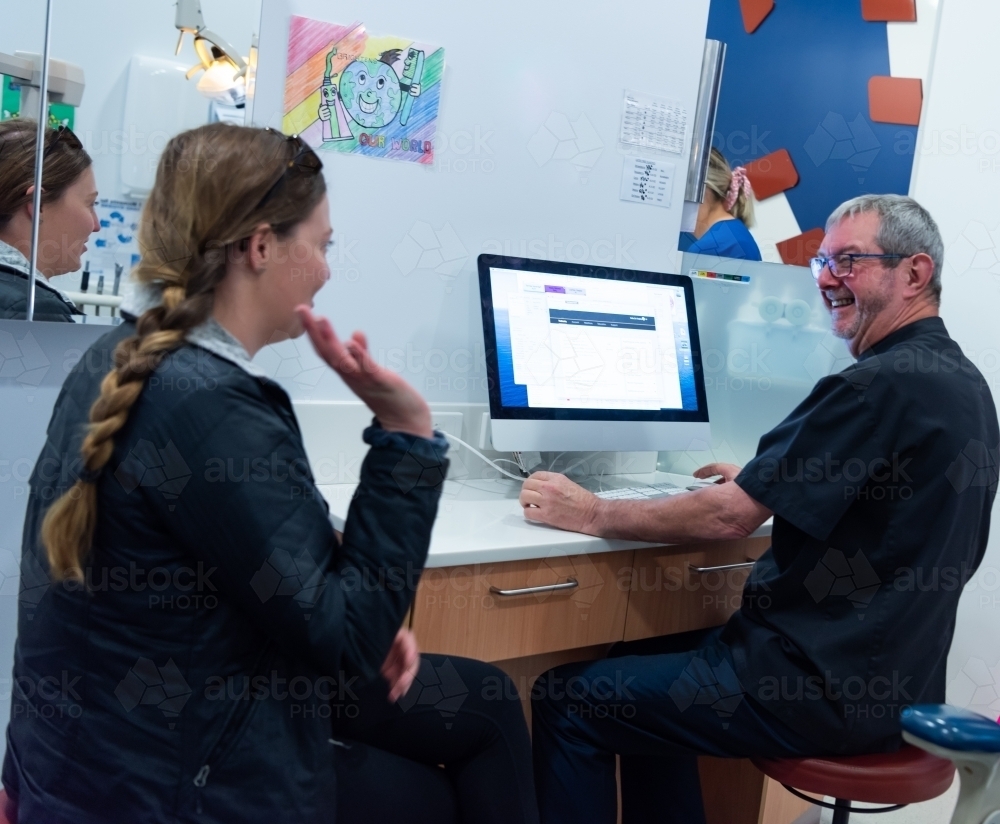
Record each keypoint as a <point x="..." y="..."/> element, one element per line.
<point x="480" y="521"/>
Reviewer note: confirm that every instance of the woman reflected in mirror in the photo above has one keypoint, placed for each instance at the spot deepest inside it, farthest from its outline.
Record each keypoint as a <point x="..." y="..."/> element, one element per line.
<point x="725" y="214"/>
<point x="66" y="221"/>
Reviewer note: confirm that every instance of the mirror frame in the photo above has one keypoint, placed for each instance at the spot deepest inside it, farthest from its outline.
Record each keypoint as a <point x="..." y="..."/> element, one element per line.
<point x="43" y="119"/>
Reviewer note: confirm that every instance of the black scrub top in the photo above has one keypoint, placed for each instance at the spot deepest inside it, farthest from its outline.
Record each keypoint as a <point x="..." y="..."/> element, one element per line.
<point x="881" y="483"/>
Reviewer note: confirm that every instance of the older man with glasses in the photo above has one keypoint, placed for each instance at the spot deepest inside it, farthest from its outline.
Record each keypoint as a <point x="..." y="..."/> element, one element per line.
<point x="881" y="484"/>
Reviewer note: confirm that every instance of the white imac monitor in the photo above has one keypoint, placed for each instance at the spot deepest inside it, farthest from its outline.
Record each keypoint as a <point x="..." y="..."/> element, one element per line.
<point x="584" y="358"/>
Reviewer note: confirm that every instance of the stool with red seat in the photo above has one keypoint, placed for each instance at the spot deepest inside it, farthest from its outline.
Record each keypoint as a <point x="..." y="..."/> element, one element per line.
<point x="892" y="779"/>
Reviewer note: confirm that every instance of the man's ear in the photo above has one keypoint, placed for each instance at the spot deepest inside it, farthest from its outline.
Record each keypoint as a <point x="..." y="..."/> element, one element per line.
<point x="919" y="272"/>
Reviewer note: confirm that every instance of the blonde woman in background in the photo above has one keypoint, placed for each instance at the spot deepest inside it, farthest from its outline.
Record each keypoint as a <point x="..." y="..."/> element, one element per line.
<point x="726" y="214"/>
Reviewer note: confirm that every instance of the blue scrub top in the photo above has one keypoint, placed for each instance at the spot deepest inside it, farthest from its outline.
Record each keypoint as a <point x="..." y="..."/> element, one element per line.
<point x="727" y="238"/>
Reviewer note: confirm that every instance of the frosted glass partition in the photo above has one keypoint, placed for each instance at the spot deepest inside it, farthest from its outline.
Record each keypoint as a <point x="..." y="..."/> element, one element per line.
<point x="765" y="341"/>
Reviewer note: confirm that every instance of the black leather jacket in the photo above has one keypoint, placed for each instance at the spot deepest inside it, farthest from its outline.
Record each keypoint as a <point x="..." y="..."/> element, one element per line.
<point x="222" y="626"/>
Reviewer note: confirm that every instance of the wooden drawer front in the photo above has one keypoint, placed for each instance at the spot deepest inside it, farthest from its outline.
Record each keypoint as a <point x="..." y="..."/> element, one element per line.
<point x="666" y="595"/>
<point x="456" y="613"/>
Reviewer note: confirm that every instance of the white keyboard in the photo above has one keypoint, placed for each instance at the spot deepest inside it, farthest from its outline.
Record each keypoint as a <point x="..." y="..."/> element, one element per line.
<point x="641" y="493"/>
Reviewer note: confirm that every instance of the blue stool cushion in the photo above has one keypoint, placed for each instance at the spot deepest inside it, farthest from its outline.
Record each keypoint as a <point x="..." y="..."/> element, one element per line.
<point x="952" y="728"/>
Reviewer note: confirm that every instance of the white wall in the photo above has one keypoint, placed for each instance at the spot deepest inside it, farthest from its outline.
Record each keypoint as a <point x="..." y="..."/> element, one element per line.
<point x="487" y="191"/>
<point x="956" y="176"/>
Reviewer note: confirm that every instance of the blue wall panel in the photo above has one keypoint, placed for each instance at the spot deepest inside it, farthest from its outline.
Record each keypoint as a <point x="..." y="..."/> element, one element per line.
<point x="800" y="82"/>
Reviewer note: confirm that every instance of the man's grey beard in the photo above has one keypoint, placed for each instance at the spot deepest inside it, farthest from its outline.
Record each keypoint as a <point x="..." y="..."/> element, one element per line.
<point x="869" y="308"/>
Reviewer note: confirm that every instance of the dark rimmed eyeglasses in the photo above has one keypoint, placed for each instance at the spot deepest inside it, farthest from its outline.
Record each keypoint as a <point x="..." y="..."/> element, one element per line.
<point x="305" y="161"/>
<point x="842" y="265"/>
<point x="64" y="134"/>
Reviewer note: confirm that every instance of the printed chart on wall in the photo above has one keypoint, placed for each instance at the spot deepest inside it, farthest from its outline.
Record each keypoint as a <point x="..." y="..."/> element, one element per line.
<point x="656" y="127"/>
<point x="349" y="91"/>
<point x="116" y="247"/>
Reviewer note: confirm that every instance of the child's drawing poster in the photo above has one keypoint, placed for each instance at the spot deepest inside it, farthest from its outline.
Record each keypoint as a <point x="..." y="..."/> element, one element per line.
<point x="347" y="91"/>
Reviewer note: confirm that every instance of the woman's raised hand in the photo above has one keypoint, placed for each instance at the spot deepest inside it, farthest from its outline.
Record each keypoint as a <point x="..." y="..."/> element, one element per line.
<point x="397" y="405"/>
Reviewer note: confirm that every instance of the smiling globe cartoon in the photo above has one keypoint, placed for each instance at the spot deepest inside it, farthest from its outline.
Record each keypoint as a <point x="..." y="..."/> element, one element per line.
<point x="354" y="94"/>
<point x="370" y="92"/>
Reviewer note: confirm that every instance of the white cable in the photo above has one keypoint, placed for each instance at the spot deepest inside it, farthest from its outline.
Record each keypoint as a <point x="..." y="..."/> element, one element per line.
<point x="495" y="486"/>
<point x="552" y="463"/>
<point x="584" y="459"/>
<point x="479" y="454"/>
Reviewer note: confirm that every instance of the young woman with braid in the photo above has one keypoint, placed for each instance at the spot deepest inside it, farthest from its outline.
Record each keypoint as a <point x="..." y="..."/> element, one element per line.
<point x="195" y="642"/>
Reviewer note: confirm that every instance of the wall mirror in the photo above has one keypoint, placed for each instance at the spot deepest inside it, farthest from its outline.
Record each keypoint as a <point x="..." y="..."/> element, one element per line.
<point x="120" y="81"/>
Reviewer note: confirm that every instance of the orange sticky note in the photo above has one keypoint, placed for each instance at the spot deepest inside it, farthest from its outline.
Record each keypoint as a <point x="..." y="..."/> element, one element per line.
<point x="797" y="251"/>
<point x="754" y="12"/>
<point x="895" y="100"/>
<point x="772" y="173"/>
<point x="889" y="11"/>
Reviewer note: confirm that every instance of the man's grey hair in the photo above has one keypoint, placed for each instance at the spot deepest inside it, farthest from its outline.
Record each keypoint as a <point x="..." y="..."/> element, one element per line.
<point x="905" y="228"/>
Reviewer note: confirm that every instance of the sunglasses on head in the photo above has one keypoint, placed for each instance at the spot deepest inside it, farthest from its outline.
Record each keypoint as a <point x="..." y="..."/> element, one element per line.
<point x="64" y="134"/>
<point x="305" y="162"/>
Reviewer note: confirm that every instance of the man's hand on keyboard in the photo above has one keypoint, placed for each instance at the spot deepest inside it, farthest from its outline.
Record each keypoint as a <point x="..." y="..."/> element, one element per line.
<point x="727" y="471"/>
<point x="551" y="498"/>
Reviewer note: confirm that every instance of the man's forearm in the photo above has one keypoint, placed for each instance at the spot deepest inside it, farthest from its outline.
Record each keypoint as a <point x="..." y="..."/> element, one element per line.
<point x="716" y="513"/>
<point x="719" y="512"/>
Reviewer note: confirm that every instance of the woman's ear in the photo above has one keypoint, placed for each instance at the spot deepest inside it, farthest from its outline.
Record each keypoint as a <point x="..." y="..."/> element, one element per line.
<point x="29" y="206"/>
<point x="260" y="249"/>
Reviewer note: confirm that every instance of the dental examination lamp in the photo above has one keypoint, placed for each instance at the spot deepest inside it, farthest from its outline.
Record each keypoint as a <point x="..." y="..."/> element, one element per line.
<point x="221" y="63"/>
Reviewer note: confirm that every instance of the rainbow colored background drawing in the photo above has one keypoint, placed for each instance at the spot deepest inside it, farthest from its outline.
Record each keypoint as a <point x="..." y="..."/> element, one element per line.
<point x="347" y="91"/>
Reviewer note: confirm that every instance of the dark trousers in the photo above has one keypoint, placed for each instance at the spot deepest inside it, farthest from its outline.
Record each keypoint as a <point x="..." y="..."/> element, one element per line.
<point x="658" y="704"/>
<point x="455" y="748"/>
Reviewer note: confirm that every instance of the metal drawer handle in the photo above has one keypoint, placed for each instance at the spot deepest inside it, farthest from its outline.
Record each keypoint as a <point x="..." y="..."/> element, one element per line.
<point x="569" y="583"/>
<point x="723" y="568"/>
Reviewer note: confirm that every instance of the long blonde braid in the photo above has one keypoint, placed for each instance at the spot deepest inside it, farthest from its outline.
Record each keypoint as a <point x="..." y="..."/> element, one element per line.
<point x="198" y="210"/>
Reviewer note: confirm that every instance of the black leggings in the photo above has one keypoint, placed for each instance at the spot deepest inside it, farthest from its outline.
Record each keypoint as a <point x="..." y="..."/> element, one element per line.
<point x="455" y="748"/>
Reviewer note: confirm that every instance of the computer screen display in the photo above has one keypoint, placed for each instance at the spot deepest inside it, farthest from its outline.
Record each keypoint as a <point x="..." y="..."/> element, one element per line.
<point x="566" y="341"/>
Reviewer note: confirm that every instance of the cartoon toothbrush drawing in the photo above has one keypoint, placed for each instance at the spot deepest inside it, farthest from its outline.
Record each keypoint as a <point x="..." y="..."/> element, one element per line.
<point x="334" y="122"/>
<point x="413" y="69"/>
